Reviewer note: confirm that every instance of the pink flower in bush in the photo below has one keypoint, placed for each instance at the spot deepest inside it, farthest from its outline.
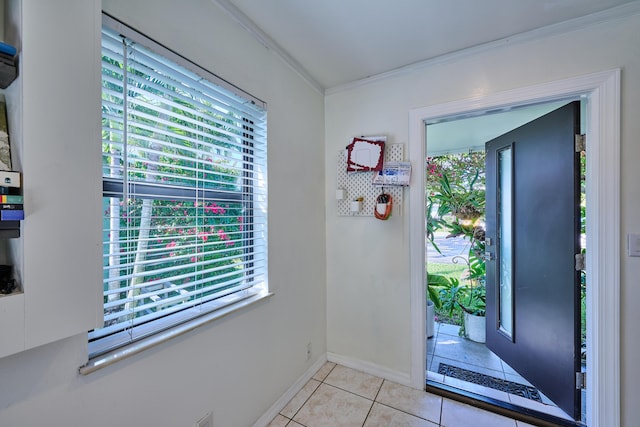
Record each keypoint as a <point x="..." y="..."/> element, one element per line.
<point x="214" y="209"/>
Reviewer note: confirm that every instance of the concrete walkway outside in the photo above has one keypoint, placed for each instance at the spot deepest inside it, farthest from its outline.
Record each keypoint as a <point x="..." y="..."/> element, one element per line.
<point x="449" y="246"/>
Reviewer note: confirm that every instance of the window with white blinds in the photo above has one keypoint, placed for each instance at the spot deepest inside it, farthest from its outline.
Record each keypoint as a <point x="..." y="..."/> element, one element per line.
<point x="184" y="191"/>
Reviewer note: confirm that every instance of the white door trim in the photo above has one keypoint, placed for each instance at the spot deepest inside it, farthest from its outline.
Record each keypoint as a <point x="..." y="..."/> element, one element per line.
<point x="603" y="227"/>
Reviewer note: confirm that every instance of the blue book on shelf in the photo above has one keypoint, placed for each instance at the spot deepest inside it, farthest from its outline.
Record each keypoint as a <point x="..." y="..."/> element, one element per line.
<point x="7" y="49"/>
<point x="11" y="215"/>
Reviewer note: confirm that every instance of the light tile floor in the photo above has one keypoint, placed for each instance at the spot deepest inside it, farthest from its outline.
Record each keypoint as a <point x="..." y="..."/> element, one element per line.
<point x="338" y="396"/>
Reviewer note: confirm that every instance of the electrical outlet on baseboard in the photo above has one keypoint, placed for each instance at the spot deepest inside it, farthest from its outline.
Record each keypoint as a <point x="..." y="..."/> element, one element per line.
<point x="206" y="421"/>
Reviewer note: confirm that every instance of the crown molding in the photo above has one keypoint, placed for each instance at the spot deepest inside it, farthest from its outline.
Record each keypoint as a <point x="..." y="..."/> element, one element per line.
<point x="612" y="14"/>
<point x="264" y="39"/>
<point x="615" y="13"/>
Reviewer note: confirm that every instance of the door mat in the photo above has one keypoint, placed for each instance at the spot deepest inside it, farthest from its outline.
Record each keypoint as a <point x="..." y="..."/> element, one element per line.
<point x="510" y="387"/>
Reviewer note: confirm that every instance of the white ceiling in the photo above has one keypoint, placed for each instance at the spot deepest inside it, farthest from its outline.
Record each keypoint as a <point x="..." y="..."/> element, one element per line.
<point x="335" y="42"/>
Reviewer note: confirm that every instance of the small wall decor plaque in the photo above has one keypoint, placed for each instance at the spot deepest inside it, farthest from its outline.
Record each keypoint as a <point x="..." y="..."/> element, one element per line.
<point x="366" y="154"/>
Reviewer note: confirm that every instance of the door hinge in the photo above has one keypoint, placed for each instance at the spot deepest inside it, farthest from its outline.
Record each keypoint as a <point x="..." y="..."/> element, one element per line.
<point x="581" y="380"/>
<point x="581" y="143"/>
<point x="580" y="262"/>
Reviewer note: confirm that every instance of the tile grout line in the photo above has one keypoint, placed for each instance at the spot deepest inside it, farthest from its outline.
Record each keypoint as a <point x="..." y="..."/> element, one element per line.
<point x="379" y="403"/>
<point x="438" y="423"/>
<point x="409" y="413"/>
<point x="312" y="393"/>
<point x="373" y="402"/>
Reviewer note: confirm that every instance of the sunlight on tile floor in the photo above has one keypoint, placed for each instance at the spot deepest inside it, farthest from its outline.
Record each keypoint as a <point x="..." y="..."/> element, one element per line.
<point x="337" y="396"/>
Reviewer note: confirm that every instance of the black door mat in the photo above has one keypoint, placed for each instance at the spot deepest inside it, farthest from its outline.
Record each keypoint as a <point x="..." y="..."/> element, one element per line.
<point x="510" y="387"/>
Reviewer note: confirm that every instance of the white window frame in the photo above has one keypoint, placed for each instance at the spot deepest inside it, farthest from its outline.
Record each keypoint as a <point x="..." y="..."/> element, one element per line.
<point x="116" y="341"/>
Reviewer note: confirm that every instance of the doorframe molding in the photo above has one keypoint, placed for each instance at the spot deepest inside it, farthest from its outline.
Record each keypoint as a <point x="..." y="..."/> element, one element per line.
<point x="603" y="226"/>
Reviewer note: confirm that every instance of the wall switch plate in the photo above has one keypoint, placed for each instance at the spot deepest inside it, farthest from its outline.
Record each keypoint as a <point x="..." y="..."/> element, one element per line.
<point x="633" y="242"/>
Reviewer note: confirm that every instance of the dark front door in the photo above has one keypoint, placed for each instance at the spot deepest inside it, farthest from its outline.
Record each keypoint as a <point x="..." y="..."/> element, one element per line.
<point x="533" y="232"/>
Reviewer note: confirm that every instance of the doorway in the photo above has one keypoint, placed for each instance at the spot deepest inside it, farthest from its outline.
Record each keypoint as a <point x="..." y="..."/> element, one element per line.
<point x="602" y="92"/>
<point x="525" y="232"/>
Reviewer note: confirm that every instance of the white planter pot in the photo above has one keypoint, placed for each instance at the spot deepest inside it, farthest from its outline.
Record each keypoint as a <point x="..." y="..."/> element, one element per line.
<point x="431" y="318"/>
<point x="475" y="327"/>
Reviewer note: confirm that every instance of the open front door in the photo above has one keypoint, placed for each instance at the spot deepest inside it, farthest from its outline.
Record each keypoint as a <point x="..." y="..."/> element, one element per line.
<point x="533" y="235"/>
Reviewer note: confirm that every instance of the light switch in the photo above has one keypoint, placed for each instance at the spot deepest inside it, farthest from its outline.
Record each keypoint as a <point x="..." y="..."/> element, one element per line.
<point x="633" y="240"/>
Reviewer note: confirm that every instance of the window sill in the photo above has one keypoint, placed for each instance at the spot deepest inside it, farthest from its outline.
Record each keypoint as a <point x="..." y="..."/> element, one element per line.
<point x="104" y="360"/>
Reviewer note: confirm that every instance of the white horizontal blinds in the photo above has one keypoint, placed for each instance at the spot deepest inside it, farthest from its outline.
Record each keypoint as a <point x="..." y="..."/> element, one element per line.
<point x="184" y="194"/>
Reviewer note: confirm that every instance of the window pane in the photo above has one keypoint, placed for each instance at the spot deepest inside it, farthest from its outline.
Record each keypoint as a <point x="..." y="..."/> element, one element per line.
<point x="165" y="255"/>
<point x="505" y="238"/>
<point x="184" y="194"/>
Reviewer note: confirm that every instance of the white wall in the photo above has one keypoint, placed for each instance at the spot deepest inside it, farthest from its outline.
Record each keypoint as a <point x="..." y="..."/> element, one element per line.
<point x="368" y="280"/>
<point x="236" y="367"/>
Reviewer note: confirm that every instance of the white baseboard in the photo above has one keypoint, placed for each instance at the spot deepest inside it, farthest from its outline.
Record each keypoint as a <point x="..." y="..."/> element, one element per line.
<point x="275" y="409"/>
<point x="371" y="368"/>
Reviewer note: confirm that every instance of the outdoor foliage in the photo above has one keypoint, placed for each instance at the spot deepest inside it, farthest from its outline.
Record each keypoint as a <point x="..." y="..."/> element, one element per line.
<point x="162" y="248"/>
<point x="180" y="234"/>
<point x="455" y="202"/>
<point x="461" y="169"/>
<point x="455" y="197"/>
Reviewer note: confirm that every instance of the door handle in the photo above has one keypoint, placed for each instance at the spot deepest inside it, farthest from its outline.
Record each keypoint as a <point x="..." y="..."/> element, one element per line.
<point x="488" y="256"/>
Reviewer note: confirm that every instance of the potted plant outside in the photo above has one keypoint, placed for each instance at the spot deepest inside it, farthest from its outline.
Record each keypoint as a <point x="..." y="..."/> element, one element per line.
<point x="468" y="296"/>
<point x="474" y="325"/>
<point x="466" y="203"/>
<point x="474" y="315"/>
<point x="471" y="299"/>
